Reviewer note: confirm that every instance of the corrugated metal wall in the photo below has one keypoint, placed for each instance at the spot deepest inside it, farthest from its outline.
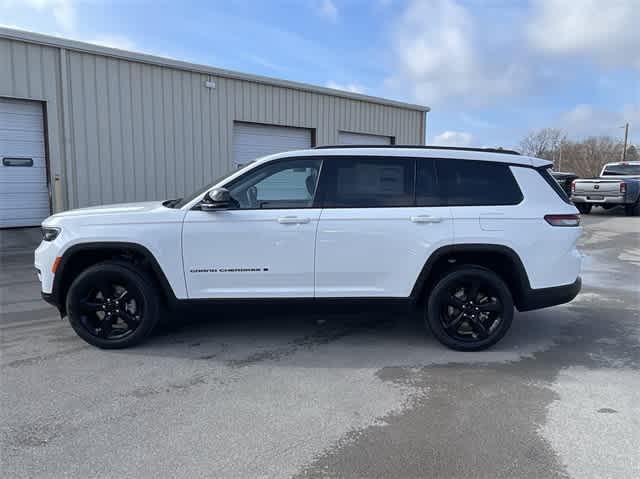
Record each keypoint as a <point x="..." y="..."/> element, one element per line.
<point x="122" y="130"/>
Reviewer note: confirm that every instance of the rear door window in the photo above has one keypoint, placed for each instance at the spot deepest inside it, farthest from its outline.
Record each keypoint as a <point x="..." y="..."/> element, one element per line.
<point x="367" y="182"/>
<point x="427" y="192"/>
<point x="477" y="183"/>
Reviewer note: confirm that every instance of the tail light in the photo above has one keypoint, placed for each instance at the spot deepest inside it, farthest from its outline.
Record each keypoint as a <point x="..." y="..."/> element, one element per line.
<point x="623" y="188"/>
<point x="573" y="186"/>
<point x="563" y="220"/>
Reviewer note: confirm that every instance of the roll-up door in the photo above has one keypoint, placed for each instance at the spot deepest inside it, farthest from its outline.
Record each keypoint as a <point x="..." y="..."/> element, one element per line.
<point x="24" y="197"/>
<point x="348" y="138"/>
<point x="253" y="140"/>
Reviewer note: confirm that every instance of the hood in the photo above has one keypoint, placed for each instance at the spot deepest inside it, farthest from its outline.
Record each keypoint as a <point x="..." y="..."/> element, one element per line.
<point x="118" y="208"/>
<point x="147" y="211"/>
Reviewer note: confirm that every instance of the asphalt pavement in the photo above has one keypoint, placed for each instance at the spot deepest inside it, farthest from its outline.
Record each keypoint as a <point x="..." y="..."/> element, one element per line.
<point x="224" y="395"/>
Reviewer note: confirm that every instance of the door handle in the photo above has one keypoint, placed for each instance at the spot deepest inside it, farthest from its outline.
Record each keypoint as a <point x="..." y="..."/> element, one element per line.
<point x="292" y="220"/>
<point x="426" y="219"/>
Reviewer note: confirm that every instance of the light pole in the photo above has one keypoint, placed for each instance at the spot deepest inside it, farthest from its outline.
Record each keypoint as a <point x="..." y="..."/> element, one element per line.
<point x="560" y="158"/>
<point x="626" y="135"/>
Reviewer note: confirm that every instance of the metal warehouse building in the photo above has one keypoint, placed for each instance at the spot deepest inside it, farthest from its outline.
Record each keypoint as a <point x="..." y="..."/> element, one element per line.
<point x="82" y="124"/>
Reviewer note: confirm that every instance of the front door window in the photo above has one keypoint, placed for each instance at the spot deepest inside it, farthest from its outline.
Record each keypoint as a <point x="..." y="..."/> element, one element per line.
<point x="284" y="184"/>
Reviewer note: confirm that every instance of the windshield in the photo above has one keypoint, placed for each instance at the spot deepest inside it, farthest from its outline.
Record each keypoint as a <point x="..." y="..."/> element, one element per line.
<point x="622" y="169"/>
<point x="179" y="203"/>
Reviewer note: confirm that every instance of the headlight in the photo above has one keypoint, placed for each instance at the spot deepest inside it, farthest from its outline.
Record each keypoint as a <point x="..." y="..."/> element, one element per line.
<point x="49" y="234"/>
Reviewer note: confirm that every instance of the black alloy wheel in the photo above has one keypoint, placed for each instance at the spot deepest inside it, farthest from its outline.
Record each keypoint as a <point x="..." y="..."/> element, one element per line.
<point x="470" y="309"/>
<point x="110" y="310"/>
<point x="112" y="305"/>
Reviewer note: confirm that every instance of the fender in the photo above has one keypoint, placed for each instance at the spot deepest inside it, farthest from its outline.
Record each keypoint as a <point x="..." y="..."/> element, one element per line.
<point x="59" y="288"/>
<point x="516" y="268"/>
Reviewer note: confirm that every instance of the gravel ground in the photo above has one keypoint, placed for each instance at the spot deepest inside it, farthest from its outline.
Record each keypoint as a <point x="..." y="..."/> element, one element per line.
<point x="358" y="396"/>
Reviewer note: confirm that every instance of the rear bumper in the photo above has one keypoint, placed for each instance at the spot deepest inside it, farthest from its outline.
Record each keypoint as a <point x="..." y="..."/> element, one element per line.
<point x="616" y="200"/>
<point x="545" y="297"/>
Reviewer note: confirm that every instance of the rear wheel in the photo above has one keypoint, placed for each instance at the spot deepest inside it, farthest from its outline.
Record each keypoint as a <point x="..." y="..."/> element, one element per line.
<point x="633" y="210"/>
<point x="112" y="305"/>
<point x="470" y="309"/>
<point x="584" y="208"/>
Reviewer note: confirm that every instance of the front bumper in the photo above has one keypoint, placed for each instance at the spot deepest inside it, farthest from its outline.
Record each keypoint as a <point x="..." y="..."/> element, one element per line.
<point x="546" y="297"/>
<point x="614" y="200"/>
<point x="51" y="299"/>
<point x="43" y="259"/>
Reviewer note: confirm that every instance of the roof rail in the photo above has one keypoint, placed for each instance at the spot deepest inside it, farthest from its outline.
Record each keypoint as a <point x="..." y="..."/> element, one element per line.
<point x="426" y="147"/>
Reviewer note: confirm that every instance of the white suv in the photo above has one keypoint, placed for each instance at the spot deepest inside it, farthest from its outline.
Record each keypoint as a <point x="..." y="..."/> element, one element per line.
<point x="463" y="234"/>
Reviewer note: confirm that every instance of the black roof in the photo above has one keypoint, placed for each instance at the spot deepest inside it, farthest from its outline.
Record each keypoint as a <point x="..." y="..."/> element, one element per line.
<point x="425" y="147"/>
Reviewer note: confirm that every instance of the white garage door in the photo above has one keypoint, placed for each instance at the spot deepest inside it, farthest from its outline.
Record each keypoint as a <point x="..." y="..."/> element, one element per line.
<point x="24" y="199"/>
<point x="347" y="138"/>
<point x="251" y="141"/>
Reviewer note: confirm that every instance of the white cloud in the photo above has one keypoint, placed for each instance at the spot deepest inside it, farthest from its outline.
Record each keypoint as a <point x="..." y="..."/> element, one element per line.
<point x="113" y="41"/>
<point x="352" y="87"/>
<point x="605" y="31"/>
<point x="328" y="10"/>
<point x="453" y="138"/>
<point x="586" y="120"/>
<point x="55" y="17"/>
<point x="439" y="58"/>
<point x="63" y="11"/>
<point x="12" y="26"/>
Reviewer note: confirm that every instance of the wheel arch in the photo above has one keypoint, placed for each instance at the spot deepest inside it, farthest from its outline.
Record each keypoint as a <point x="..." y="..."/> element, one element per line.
<point x="500" y="259"/>
<point x="80" y="256"/>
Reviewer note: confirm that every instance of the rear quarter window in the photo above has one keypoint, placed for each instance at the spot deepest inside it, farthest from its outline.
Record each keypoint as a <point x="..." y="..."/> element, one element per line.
<point x="553" y="183"/>
<point x="477" y="183"/>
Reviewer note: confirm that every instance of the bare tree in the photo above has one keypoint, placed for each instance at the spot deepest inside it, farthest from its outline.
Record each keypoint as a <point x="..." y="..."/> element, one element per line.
<point x="585" y="157"/>
<point x="632" y="154"/>
<point x="543" y="143"/>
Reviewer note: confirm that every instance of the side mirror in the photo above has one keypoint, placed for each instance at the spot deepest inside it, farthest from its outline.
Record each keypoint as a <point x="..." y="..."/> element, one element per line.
<point x="216" y="199"/>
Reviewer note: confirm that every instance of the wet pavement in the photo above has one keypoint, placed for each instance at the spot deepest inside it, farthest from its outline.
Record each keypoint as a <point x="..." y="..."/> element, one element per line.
<point x="356" y="396"/>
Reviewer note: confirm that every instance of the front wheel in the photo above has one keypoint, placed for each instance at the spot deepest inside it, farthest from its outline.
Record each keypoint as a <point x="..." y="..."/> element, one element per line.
<point x="112" y="305"/>
<point x="470" y="309"/>
<point x="584" y="208"/>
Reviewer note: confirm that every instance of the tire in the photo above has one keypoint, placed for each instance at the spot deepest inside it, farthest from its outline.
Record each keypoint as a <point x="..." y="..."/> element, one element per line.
<point x="113" y="305"/>
<point x="584" y="208"/>
<point x="474" y="323"/>
<point x="632" y="210"/>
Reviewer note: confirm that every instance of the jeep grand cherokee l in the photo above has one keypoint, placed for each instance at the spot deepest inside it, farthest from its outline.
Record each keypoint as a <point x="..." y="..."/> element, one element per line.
<point x="464" y="235"/>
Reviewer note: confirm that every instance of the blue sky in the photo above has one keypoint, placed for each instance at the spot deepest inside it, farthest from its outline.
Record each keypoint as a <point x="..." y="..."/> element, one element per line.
<point x="491" y="70"/>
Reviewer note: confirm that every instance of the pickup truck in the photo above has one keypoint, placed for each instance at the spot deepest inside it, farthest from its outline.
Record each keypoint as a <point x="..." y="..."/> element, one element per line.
<point x="618" y="185"/>
<point x="565" y="180"/>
